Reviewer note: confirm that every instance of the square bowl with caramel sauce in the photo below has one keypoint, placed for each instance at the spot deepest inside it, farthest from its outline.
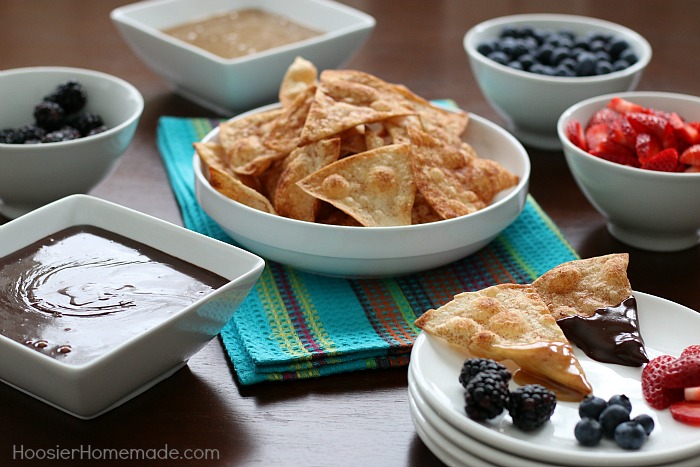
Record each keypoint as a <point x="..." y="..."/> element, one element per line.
<point x="98" y="303"/>
<point x="230" y="55"/>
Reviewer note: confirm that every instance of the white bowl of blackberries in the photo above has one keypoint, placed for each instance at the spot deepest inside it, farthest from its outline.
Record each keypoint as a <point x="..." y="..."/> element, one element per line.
<point x="532" y="67"/>
<point x="62" y="132"/>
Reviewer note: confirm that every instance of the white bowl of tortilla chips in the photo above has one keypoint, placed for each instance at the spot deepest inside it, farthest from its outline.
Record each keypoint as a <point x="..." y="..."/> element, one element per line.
<point x="352" y="176"/>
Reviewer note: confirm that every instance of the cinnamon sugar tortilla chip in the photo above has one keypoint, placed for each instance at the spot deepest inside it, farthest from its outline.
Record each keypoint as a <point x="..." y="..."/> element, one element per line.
<point x="298" y="79"/>
<point x="213" y="155"/>
<point x="453" y="180"/>
<point x="290" y="200"/>
<point x="508" y="321"/>
<point x="284" y="133"/>
<point x="375" y="187"/>
<point x="340" y="104"/>
<point x="580" y="287"/>
<point x="231" y="187"/>
<point x="243" y="141"/>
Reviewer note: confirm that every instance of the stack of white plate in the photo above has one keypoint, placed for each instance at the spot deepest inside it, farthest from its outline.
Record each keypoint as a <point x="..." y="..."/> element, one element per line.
<point x="436" y="400"/>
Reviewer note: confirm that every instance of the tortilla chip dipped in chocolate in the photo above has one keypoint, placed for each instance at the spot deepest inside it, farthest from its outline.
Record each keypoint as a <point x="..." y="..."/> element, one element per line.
<point x="509" y="322"/>
<point x="375" y="187"/>
<point x="610" y="335"/>
<point x="582" y="286"/>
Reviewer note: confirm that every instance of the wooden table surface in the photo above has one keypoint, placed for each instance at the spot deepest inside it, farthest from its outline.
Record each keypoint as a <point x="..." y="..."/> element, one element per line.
<point x="353" y="419"/>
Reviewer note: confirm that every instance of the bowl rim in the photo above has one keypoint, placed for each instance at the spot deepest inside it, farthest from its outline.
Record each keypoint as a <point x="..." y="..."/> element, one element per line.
<point x="573" y="149"/>
<point x="470" y="37"/>
<point x="133" y="91"/>
<point x="523" y="182"/>
<point x="363" y="22"/>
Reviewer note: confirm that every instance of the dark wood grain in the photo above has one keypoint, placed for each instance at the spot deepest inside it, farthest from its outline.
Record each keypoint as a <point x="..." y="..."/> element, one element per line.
<point x="352" y="419"/>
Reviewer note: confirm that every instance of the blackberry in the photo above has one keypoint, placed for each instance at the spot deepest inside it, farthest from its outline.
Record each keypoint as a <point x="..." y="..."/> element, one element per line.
<point x="98" y="130"/>
<point x="486" y="396"/>
<point x="531" y="406"/>
<point x="473" y="366"/>
<point x="86" y="122"/>
<point x="70" y="95"/>
<point x="49" y="116"/>
<point x="8" y="136"/>
<point x="66" y="133"/>
<point x="29" y="133"/>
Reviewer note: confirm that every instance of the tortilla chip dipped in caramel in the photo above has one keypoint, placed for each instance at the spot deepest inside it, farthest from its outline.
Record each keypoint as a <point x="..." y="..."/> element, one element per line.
<point x="509" y="322"/>
<point x="580" y="287"/>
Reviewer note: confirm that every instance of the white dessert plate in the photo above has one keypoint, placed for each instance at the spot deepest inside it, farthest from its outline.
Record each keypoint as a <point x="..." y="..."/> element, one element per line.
<point x="667" y="328"/>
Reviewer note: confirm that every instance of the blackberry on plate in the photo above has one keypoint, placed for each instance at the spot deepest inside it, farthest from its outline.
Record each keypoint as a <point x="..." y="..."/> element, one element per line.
<point x="49" y="115"/>
<point x="531" y="406"/>
<point x="591" y="407"/>
<point x="29" y="133"/>
<point x="70" y="95"/>
<point x="473" y="366"/>
<point x="588" y="432"/>
<point x="486" y="396"/>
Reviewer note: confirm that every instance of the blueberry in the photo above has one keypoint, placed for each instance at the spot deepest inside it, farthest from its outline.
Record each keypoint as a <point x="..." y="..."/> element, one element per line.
<point x="646" y="422"/>
<point x="516" y="65"/>
<point x="621" y="399"/>
<point x="612" y="416"/>
<point x="630" y="435"/>
<point x="526" y="61"/>
<point x="629" y="56"/>
<point x="591" y="407"/>
<point x="559" y="54"/>
<point x="617" y="46"/>
<point x="499" y="57"/>
<point x="487" y="47"/>
<point x="588" y="432"/>
<point x="603" y="68"/>
<point x="585" y="64"/>
<point x="620" y="65"/>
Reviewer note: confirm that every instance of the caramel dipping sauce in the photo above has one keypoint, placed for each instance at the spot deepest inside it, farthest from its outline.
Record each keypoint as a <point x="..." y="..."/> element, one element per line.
<point x="79" y="293"/>
<point x="242" y="32"/>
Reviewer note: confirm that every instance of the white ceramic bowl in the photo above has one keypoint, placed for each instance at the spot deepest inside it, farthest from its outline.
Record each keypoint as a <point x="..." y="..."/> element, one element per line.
<point x="228" y="86"/>
<point x="32" y="175"/>
<point x="91" y="388"/>
<point x="375" y="251"/>
<point x="532" y="103"/>
<point x="651" y="210"/>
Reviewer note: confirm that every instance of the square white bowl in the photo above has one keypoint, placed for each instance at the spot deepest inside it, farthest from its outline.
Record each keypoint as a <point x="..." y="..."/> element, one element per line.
<point x="87" y="390"/>
<point x="228" y="86"/>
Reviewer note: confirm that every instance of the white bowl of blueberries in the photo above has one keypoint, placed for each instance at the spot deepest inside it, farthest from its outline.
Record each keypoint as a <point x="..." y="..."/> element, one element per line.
<point x="65" y="132"/>
<point x="532" y="67"/>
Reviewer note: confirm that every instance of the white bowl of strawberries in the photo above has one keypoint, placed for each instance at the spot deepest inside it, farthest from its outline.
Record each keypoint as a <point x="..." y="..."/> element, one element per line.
<point x="636" y="158"/>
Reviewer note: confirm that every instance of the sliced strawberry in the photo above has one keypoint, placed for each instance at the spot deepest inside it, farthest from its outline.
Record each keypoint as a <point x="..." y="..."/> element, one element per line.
<point x="616" y="152"/>
<point x="622" y="132"/>
<point x="653" y="124"/>
<point x="624" y="106"/>
<point x="596" y="134"/>
<point x="686" y="412"/>
<point x="692" y="169"/>
<point x="574" y="131"/>
<point x="684" y="372"/>
<point x="691" y="350"/>
<point x="664" y="161"/>
<point x="691" y="156"/>
<point x="685" y="132"/>
<point x="647" y="146"/>
<point x="692" y="394"/>
<point x="605" y="115"/>
<point x="656" y="395"/>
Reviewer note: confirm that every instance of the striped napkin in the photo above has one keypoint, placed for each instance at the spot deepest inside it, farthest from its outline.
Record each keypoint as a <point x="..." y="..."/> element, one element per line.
<point x="296" y="325"/>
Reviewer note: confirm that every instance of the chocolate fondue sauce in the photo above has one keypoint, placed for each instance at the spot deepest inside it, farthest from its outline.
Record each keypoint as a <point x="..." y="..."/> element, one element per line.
<point x="611" y="335"/>
<point x="78" y="293"/>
